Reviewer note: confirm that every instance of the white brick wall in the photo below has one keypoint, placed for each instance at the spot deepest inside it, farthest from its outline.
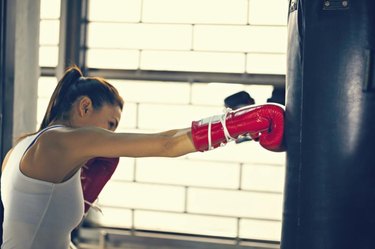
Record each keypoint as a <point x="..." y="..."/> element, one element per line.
<point x="193" y="61"/>
<point x="189" y="35"/>
<point x="199" y="94"/>
<point x="200" y="193"/>
<point x="153" y="91"/>
<point x="260" y="229"/>
<point x="262" y="177"/>
<point x="234" y="203"/>
<point x="140" y="36"/>
<point x="129" y="116"/>
<point x="240" y="38"/>
<point x="188" y="172"/>
<point x="265" y="63"/>
<point x="247" y="152"/>
<point x="143" y="196"/>
<point x="162" y="117"/>
<point x="186" y="223"/>
<point x="115" y="10"/>
<point x="113" y="217"/>
<point x="268" y="12"/>
<point x="231" y="191"/>
<point x="195" y="11"/>
<point x="121" y="59"/>
<point x="125" y="170"/>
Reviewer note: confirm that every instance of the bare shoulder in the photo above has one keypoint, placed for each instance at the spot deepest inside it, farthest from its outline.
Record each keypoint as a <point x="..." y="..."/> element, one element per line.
<point x="74" y="144"/>
<point x="55" y="154"/>
<point x="67" y="137"/>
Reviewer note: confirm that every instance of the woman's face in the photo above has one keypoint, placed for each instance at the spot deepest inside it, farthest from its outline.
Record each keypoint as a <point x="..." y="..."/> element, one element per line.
<point x="107" y="117"/>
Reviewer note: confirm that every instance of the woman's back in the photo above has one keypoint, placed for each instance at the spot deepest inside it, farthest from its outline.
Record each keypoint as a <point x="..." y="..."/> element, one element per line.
<point x="38" y="214"/>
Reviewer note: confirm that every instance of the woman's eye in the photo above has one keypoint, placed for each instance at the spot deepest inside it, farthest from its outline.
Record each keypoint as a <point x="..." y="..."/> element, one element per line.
<point x="111" y="124"/>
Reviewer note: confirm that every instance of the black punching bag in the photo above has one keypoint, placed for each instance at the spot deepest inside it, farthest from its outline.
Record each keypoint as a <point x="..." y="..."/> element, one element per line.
<point x="329" y="192"/>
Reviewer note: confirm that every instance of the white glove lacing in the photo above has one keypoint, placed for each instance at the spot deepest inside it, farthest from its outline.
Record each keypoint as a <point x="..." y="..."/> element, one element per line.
<point x="222" y="120"/>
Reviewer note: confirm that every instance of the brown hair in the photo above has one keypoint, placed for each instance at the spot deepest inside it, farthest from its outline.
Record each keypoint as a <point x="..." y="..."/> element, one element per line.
<point x="72" y="86"/>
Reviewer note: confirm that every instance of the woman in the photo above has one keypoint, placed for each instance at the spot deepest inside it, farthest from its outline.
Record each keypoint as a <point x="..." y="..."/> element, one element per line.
<point x="41" y="185"/>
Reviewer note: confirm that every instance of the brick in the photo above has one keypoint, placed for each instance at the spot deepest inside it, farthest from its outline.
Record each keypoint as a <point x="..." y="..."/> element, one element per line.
<point x="124" y="170"/>
<point x="266" y="39"/>
<point x="268" y="12"/>
<point x="260" y="229"/>
<point x="112" y="217"/>
<point x="143" y="196"/>
<point x="247" y="152"/>
<point x="139" y="36"/>
<point x="234" y="203"/>
<point x="129" y="116"/>
<point x="266" y="63"/>
<point x="153" y="91"/>
<point x="213" y="93"/>
<point x="48" y="56"/>
<point x="263" y="178"/>
<point x="195" y="11"/>
<point x="49" y="32"/>
<point x="163" y="117"/>
<point x="112" y="58"/>
<point x="115" y="10"/>
<point x="193" y="61"/>
<point x="186" y="223"/>
<point x="188" y="172"/>
<point x="221" y="38"/>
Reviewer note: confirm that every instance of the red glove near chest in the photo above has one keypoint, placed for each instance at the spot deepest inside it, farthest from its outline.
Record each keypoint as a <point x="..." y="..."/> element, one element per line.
<point x="94" y="175"/>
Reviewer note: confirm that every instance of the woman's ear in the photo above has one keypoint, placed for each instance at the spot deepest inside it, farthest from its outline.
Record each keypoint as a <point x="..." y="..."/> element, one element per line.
<point x="84" y="106"/>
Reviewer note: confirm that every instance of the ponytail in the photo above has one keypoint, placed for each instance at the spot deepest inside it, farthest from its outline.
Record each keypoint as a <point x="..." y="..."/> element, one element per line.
<point x="55" y="105"/>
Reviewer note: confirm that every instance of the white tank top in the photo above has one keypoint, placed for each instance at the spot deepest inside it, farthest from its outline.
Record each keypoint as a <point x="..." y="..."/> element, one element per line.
<point x="38" y="214"/>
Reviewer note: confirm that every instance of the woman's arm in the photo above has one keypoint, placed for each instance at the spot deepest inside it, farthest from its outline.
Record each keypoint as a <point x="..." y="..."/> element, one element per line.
<point x="93" y="142"/>
<point x="59" y="153"/>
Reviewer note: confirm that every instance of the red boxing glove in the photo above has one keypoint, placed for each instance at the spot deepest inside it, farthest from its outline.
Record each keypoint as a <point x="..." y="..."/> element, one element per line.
<point x="94" y="175"/>
<point x="264" y="123"/>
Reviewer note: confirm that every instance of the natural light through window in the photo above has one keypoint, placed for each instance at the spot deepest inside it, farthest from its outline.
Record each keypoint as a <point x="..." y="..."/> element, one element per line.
<point x="231" y="192"/>
<point x="49" y="33"/>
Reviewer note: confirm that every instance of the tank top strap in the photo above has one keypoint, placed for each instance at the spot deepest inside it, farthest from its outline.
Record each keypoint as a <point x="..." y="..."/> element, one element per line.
<point x="41" y="132"/>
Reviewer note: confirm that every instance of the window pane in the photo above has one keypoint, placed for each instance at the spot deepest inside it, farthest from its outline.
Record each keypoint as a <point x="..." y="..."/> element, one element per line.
<point x="50" y="9"/>
<point x="48" y="56"/>
<point x="49" y="32"/>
